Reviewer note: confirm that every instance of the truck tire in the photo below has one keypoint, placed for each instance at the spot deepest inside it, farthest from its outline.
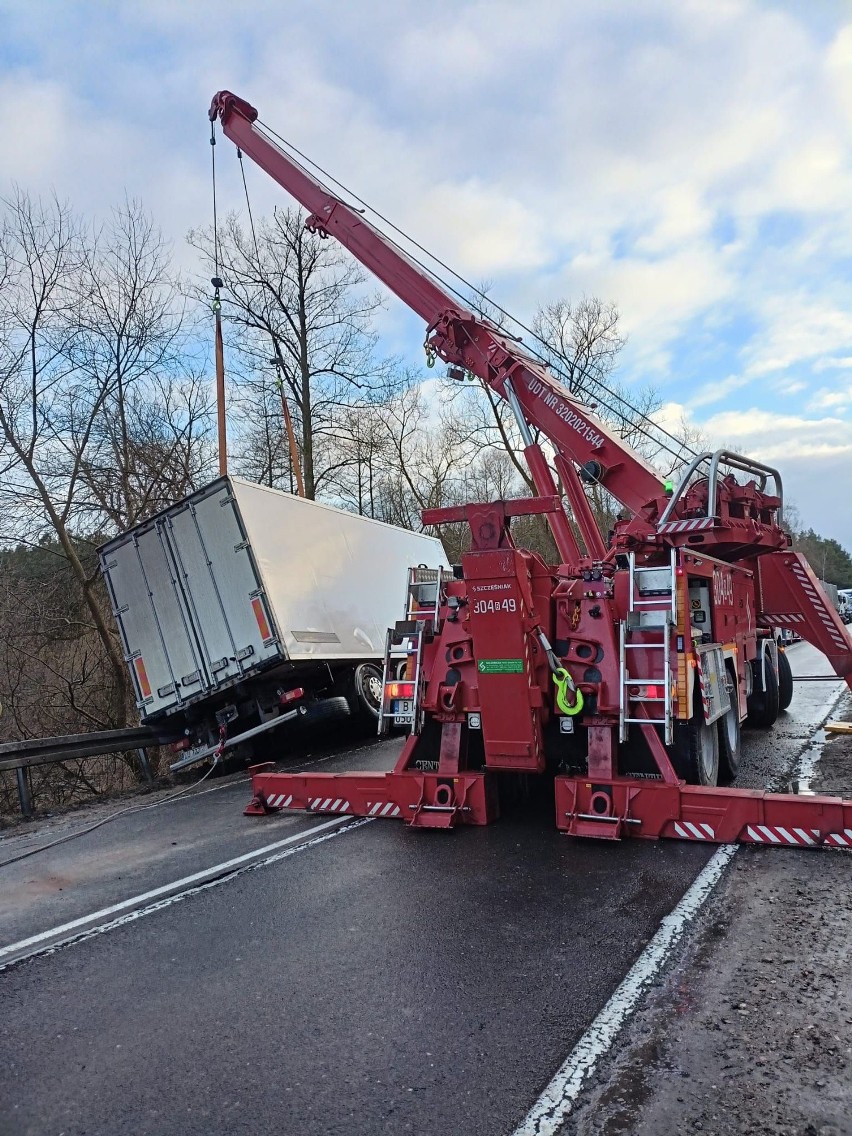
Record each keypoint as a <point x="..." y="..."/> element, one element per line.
<point x="695" y="751"/>
<point x="785" y="681"/>
<point x="763" y="705"/>
<point x="326" y="710"/>
<point x="730" y="737"/>
<point x="365" y="693"/>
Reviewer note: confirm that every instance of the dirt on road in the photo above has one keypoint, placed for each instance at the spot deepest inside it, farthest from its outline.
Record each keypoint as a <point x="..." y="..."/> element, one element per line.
<point x="751" y="1031"/>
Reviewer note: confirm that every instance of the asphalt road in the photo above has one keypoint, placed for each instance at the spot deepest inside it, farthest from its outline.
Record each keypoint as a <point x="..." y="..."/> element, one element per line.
<point x="381" y="980"/>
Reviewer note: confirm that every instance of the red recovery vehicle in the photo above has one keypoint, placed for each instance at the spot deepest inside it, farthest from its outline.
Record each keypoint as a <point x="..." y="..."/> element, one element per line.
<point x="624" y="672"/>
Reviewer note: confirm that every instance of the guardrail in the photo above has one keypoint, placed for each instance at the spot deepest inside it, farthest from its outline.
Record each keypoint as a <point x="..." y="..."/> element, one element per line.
<point x="22" y="755"/>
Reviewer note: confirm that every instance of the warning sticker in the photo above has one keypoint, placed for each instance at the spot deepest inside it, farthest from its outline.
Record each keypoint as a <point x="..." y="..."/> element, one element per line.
<point x="500" y="666"/>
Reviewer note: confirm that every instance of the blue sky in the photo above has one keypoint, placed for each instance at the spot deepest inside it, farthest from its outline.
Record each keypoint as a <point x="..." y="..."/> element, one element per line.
<point x="688" y="159"/>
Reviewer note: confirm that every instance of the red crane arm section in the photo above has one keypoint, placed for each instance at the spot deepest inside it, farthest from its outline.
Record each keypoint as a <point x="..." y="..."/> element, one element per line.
<point x="329" y="215"/>
<point x="454" y="333"/>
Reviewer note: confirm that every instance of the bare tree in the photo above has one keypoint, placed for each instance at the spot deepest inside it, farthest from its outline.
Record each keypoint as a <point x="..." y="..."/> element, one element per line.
<point x="90" y="369"/>
<point x="582" y="339"/>
<point x="148" y="445"/>
<point x="46" y="411"/>
<point x="289" y="294"/>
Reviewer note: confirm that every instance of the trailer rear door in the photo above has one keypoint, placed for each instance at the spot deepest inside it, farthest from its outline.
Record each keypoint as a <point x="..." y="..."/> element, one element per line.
<point x="189" y="602"/>
<point x="227" y="605"/>
<point x="158" y="638"/>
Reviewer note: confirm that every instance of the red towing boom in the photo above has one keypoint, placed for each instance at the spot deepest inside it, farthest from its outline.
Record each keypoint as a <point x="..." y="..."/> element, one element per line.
<point x="625" y="671"/>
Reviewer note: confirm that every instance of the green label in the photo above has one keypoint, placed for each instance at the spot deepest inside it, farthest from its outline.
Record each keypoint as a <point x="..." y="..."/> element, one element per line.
<point x="500" y="666"/>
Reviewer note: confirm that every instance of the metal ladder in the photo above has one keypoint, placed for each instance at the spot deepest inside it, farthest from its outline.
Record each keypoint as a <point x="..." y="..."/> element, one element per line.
<point x="407" y="646"/>
<point x="651" y="612"/>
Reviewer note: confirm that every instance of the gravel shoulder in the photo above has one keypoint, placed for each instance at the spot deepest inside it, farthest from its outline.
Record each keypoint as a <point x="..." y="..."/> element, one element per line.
<point x="751" y="1030"/>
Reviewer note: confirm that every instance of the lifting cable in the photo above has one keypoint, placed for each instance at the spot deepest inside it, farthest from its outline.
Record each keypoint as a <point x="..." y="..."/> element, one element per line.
<point x="545" y="357"/>
<point x="277" y="359"/>
<point x="221" y="426"/>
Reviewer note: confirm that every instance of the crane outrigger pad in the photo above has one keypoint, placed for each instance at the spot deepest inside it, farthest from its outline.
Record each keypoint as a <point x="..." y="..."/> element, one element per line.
<point x="609" y="810"/>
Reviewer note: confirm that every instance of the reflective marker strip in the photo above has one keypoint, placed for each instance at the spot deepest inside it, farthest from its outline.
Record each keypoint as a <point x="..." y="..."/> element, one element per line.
<point x="688" y="831"/>
<point x="384" y="808"/>
<point x="260" y="616"/>
<point x="763" y="834"/>
<point x="142" y="676"/>
<point x="318" y="805"/>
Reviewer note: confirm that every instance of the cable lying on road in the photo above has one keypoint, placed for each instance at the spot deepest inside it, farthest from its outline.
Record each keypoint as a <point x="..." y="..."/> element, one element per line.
<point x="155" y="804"/>
<point x="105" y="820"/>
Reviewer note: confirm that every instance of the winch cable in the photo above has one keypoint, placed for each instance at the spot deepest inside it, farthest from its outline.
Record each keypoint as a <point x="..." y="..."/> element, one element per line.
<point x="113" y="816"/>
<point x="543" y="357"/>
<point x="215" y="212"/>
<point x="218" y="342"/>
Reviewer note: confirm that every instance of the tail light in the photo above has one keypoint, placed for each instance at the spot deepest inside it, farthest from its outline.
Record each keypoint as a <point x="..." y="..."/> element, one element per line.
<point x="287" y="696"/>
<point x="399" y="690"/>
<point x="640" y="690"/>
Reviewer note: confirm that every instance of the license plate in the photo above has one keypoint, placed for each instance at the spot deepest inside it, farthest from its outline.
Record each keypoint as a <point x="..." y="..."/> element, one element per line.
<point x="402" y="707"/>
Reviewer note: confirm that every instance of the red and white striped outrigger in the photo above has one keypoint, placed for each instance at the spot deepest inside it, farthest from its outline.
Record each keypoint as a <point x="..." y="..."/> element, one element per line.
<point x="618" y="808"/>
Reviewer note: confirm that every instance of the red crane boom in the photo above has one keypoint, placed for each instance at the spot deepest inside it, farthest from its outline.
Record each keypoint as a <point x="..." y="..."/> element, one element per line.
<point x="459" y="337"/>
<point x="653" y="647"/>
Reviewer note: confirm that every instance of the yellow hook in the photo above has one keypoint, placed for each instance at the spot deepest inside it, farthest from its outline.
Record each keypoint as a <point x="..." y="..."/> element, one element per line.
<point x="563" y="682"/>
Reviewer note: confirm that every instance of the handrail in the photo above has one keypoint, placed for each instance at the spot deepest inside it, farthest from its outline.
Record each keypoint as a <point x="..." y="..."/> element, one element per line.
<point x="747" y="465"/>
<point x="732" y="461"/>
<point x="684" y="482"/>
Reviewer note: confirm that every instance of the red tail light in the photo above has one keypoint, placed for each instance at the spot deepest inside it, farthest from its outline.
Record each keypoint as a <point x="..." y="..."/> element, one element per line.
<point x="291" y="695"/>
<point x="399" y="690"/>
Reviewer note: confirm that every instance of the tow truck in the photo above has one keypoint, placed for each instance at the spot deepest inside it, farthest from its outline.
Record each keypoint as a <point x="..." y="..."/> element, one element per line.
<point x="624" y="672"/>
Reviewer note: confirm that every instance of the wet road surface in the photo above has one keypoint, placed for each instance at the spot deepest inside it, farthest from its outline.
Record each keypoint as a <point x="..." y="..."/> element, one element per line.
<point x="380" y="981"/>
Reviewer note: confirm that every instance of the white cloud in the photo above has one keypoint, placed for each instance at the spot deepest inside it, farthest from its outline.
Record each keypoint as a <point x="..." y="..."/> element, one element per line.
<point x="717" y="391"/>
<point x="688" y="160"/>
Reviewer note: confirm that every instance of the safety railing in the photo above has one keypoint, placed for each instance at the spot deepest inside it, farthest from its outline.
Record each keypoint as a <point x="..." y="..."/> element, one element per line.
<point x="728" y="460"/>
<point x="21" y="756"/>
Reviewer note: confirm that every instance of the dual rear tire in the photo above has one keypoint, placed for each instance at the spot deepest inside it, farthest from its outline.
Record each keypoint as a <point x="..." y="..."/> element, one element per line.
<point x="705" y="754"/>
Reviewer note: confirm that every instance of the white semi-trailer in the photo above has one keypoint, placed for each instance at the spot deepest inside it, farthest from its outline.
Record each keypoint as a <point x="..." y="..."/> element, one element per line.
<point x="242" y="607"/>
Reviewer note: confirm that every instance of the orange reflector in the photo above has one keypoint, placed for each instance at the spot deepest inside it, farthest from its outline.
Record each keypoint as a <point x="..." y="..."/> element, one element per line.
<point x="142" y="677"/>
<point x="399" y="690"/>
<point x="260" y="616"/>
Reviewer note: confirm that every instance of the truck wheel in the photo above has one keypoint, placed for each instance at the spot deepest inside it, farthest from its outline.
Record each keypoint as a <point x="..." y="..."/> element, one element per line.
<point x="327" y="710"/>
<point x="785" y="681"/>
<point x="366" y="692"/>
<point x="695" y="752"/>
<point x="730" y="737"/>
<point x="763" y="705"/>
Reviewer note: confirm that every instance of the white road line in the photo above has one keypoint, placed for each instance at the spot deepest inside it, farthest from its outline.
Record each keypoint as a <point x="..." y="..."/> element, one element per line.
<point x="552" y="1108"/>
<point x="550" y="1111"/>
<point x="187" y="882"/>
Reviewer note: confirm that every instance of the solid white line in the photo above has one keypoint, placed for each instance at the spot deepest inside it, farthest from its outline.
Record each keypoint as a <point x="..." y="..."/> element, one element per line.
<point x="186" y="882"/>
<point x="550" y="1111"/>
<point x="177" y="897"/>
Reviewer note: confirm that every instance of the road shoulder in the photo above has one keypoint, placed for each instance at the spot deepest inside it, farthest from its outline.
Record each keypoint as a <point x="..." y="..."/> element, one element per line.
<point x="751" y="1030"/>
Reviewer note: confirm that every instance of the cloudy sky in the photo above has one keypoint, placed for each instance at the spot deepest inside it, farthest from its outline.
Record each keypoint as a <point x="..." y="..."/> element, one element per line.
<point x="687" y="159"/>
